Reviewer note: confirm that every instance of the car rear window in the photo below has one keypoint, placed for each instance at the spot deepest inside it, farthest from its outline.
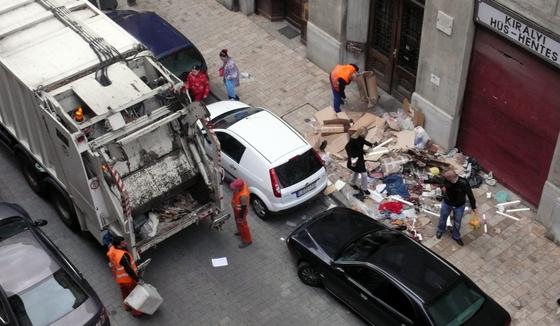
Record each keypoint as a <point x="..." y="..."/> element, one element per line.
<point x="11" y="226"/>
<point x="456" y="306"/>
<point x="334" y="231"/>
<point x="180" y="63"/>
<point x="47" y="301"/>
<point x="298" y="168"/>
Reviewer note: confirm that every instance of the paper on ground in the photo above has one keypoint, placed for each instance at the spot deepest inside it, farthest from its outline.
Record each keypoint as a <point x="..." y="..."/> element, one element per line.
<point x="339" y="184"/>
<point x="219" y="262"/>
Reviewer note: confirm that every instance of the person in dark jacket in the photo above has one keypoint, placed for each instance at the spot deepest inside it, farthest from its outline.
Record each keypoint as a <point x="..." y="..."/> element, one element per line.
<point x="356" y="162"/>
<point x="455" y="192"/>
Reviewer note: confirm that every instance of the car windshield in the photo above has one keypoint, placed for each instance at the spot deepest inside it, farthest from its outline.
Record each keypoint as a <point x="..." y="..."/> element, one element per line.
<point x="298" y="168"/>
<point x="47" y="301"/>
<point x="181" y="62"/>
<point x="12" y="226"/>
<point x="225" y="120"/>
<point x="456" y="306"/>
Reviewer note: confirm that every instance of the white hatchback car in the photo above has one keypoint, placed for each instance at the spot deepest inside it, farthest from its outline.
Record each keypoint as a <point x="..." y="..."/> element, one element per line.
<point x="280" y="167"/>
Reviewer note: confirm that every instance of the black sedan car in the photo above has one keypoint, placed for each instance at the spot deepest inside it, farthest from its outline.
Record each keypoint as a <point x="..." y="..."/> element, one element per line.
<point x="385" y="276"/>
<point x="38" y="285"/>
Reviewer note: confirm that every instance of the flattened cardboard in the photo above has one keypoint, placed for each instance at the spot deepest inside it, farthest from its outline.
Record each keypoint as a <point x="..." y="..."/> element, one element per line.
<point x="405" y="139"/>
<point x="367" y="120"/>
<point x="325" y="114"/>
<point x="336" y="143"/>
<point x="416" y="116"/>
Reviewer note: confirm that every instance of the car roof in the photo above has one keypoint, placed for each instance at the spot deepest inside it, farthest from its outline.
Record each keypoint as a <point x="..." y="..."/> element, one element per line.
<point x="24" y="262"/>
<point x="151" y="30"/>
<point x="265" y="132"/>
<point x="409" y="263"/>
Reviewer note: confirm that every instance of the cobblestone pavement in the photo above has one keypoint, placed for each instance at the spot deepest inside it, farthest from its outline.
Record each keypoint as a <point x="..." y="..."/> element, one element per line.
<point x="514" y="262"/>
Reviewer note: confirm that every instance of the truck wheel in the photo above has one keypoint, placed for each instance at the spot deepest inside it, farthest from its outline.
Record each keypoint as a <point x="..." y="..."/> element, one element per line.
<point x="309" y="275"/>
<point x="259" y="207"/>
<point x="65" y="211"/>
<point x="31" y="175"/>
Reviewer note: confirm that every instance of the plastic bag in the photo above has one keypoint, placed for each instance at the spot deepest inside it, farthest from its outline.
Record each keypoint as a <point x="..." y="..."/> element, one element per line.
<point x="421" y="138"/>
<point x="474" y="221"/>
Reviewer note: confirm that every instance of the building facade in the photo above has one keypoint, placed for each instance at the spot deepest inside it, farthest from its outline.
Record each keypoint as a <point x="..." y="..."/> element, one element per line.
<point x="486" y="74"/>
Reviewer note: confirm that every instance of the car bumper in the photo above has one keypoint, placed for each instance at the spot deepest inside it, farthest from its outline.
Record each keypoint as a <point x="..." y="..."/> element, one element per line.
<point x="281" y="208"/>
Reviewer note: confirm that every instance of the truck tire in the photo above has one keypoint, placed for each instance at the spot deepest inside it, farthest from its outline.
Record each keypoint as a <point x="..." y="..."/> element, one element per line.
<point x="31" y="174"/>
<point x="259" y="207"/>
<point x="65" y="210"/>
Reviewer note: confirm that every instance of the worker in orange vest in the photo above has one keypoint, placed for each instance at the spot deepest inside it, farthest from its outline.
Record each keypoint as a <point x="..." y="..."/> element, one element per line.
<point x="124" y="269"/>
<point x="240" y="204"/>
<point x="340" y="77"/>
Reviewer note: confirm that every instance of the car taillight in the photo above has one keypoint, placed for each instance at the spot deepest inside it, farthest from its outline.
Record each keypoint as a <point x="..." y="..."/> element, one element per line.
<point x="275" y="183"/>
<point x="318" y="157"/>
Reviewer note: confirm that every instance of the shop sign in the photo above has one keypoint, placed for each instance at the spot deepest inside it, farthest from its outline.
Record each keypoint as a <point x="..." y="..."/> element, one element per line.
<point x="519" y="30"/>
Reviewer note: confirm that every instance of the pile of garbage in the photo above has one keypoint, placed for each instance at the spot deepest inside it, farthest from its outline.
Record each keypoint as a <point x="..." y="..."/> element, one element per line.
<point x="403" y="158"/>
<point x="172" y="210"/>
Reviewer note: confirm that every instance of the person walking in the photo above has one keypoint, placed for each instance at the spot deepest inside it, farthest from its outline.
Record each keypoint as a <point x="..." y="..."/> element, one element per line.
<point x="340" y="77"/>
<point x="230" y="73"/>
<point x="124" y="269"/>
<point x="240" y="204"/>
<point x="197" y="84"/>
<point x="355" y="152"/>
<point x="455" y="191"/>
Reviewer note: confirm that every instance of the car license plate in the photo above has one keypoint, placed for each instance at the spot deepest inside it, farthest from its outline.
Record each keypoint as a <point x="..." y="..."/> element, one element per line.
<point x="306" y="189"/>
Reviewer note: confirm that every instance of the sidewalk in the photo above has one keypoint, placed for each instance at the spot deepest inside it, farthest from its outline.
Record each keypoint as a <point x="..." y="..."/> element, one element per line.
<point x="514" y="262"/>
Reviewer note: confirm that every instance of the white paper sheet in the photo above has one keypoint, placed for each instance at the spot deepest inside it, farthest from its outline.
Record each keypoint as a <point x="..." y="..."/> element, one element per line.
<point x="219" y="262"/>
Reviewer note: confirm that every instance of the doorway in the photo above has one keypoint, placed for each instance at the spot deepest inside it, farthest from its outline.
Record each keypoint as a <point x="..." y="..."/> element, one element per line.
<point x="394" y="44"/>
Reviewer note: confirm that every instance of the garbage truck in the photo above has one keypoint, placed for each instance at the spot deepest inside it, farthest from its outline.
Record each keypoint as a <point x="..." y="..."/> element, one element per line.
<point x="100" y="128"/>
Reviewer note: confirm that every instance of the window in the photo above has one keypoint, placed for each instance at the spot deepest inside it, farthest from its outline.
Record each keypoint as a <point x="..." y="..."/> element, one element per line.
<point x="298" y="168"/>
<point x="456" y="306"/>
<point x="226" y="120"/>
<point x="11" y="226"/>
<point x="48" y="301"/>
<point x="382" y="289"/>
<point x="230" y="146"/>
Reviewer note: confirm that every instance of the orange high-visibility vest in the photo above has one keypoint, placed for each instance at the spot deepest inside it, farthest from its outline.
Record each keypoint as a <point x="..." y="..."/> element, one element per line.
<point x="341" y="71"/>
<point x="236" y="199"/>
<point x="119" y="274"/>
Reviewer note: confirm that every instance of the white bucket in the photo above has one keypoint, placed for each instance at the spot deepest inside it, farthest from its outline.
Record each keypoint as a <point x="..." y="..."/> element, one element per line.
<point x="144" y="298"/>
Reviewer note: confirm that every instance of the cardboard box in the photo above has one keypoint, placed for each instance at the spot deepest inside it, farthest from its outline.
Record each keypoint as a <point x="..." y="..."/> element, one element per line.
<point x="367" y="87"/>
<point x="367" y="120"/>
<point x="333" y="129"/>
<point x="416" y="116"/>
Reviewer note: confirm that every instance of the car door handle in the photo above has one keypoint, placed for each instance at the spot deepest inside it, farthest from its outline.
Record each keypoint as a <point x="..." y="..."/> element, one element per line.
<point x="363" y="296"/>
<point x="232" y="167"/>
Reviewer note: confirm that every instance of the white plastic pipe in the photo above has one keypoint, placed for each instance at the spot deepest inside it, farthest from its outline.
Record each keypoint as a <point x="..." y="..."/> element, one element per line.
<point x="509" y="203"/>
<point x="382" y="144"/>
<point x="524" y="209"/>
<point x="508" y="216"/>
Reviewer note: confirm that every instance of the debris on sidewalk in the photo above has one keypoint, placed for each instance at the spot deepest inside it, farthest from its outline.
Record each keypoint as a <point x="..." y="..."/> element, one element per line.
<point x="402" y="159"/>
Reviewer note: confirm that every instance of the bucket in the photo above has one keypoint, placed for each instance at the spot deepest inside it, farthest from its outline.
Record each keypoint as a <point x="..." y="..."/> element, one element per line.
<point x="144" y="298"/>
<point x="501" y="196"/>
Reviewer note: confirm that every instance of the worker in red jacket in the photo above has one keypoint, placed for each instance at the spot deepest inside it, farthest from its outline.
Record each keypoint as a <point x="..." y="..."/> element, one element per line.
<point x="124" y="269"/>
<point x="197" y="84"/>
<point x="340" y="77"/>
<point x="240" y="204"/>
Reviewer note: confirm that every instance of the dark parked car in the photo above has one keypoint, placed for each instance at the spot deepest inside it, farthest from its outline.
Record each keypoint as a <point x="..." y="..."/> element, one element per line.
<point x="385" y="276"/>
<point x="38" y="285"/>
<point x="176" y="52"/>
